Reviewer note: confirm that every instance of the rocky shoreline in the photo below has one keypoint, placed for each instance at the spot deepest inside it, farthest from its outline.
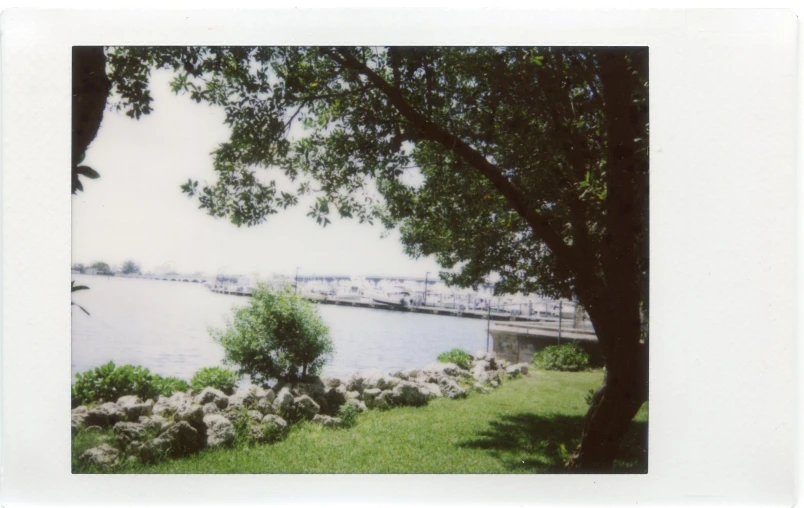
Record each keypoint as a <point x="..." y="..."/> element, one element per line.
<point x="184" y="423"/>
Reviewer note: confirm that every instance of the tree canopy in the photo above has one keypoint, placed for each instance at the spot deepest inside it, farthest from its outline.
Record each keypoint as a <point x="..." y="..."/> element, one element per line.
<point x="101" y="267"/>
<point x="130" y="267"/>
<point x="509" y="146"/>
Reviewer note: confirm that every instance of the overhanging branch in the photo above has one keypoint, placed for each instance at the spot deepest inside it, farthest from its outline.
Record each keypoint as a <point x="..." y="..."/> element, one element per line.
<point x="433" y="132"/>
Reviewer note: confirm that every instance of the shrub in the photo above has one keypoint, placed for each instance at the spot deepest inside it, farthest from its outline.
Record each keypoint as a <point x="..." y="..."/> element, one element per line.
<point x="278" y="335"/>
<point x="108" y="383"/>
<point x="457" y="356"/>
<point x="217" y="377"/>
<point x="567" y="357"/>
<point x="167" y="386"/>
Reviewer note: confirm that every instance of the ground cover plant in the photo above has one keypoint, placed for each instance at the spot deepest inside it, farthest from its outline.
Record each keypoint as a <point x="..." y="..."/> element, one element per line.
<point x="109" y="382"/>
<point x="567" y="357"/>
<point x="457" y="356"/>
<point x="220" y="378"/>
<point x="528" y="425"/>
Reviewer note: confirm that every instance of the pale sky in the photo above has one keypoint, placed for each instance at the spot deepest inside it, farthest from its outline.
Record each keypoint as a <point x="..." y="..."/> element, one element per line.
<point x="136" y="209"/>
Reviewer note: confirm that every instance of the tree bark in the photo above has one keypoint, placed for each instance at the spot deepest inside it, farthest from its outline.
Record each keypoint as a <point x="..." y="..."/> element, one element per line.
<point x="625" y="384"/>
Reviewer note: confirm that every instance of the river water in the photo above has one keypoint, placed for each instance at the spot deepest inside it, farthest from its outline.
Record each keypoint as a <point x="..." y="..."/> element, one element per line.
<point x="164" y="326"/>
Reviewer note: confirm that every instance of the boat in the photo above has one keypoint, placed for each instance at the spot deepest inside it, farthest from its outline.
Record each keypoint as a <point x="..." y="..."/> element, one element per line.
<point x="348" y="294"/>
<point x="397" y="296"/>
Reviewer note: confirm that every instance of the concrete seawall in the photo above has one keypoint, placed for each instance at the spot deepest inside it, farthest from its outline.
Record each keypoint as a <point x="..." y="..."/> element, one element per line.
<point x="516" y="342"/>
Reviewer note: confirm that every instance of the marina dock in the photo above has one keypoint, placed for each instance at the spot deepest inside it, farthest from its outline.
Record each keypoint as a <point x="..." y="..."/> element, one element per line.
<point x="442" y="311"/>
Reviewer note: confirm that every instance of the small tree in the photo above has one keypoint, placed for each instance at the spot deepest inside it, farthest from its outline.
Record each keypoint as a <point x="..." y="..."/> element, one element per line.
<point x="279" y="335"/>
<point x="130" y="267"/>
<point x="79" y="267"/>
<point x="101" y="267"/>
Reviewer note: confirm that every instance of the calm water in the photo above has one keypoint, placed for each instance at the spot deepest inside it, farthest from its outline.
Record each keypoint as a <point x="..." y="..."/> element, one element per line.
<point x="163" y="326"/>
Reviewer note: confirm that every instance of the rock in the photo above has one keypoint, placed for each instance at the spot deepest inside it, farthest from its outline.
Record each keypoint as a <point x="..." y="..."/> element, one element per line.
<point x="503" y="364"/>
<point x="376" y="379"/>
<point x="481" y="356"/>
<point x="355" y="395"/>
<point x="192" y="414"/>
<point x="93" y="428"/>
<point x="210" y="408"/>
<point x="315" y="389"/>
<point x="370" y="394"/>
<point x="517" y="369"/>
<point x="105" y="415"/>
<point x="210" y="394"/>
<point x="432" y="390"/>
<point x="140" y="451"/>
<point x="341" y="389"/>
<point x="451" y="389"/>
<point x="306" y="406"/>
<point x="78" y="419"/>
<point x="270" y="395"/>
<point x="269" y="430"/>
<point x="80" y="410"/>
<point x="246" y="396"/>
<point x="265" y="406"/>
<point x="126" y="432"/>
<point x="128" y="400"/>
<point x="168" y="406"/>
<point x="485" y="365"/>
<point x="220" y="431"/>
<point x="480" y="373"/>
<point x="104" y="456"/>
<point x="404" y="374"/>
<point x="284" y="400"/>
<point x="355" y="382"/>
<point x="135" y="410"/>
<point x="178" y="439"/>
<point x="332" y="382"/>
<point x="479" y="388"/>
<point x="327" y="421"/>
<point x="374" y="398"/>
<point x="334" y="398"/>
<point x="254" y="415"/>
<point x="435" y="371"/>
<point x="154" y="423"/>
<point x="359" y="405"/>
<point x="410" y="394"/>
<point x="275" y="420"/>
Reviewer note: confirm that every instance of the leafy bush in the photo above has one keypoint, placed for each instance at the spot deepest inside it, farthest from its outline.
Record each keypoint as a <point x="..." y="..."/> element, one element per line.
<point x="108" y="383"/>
<point x="278" y="335"/>
<point x="167" y="386"/>
<point x="217" y="377"/>
<point x="457" y="356"/>
<point x="567" y="357"/>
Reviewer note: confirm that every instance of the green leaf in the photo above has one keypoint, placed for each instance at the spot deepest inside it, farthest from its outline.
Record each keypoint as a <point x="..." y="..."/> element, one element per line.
<point x="87" y="172"/>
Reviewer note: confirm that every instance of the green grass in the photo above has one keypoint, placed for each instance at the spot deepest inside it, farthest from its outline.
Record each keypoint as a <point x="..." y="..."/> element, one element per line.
<point x="528" y="425"/>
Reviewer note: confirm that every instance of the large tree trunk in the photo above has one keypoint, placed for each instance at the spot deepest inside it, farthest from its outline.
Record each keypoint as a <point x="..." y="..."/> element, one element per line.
<point x="616" y="402"/>
<point x="615" y="308"/>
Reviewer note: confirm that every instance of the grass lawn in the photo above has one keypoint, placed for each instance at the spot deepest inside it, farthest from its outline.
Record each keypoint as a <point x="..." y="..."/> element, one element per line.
<point x="528" y="425"/>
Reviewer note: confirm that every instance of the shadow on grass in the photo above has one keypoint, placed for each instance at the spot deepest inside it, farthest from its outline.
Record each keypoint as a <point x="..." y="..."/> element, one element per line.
<point x="527" y="442"/>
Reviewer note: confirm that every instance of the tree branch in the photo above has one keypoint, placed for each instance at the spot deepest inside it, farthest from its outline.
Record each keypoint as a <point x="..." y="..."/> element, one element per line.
<point x="519" y="202"/>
